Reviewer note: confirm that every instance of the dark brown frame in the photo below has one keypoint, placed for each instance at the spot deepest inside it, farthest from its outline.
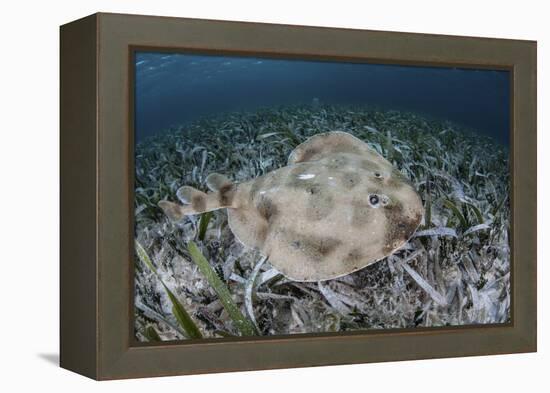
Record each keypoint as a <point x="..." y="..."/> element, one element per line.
<point x="97" y="196"/>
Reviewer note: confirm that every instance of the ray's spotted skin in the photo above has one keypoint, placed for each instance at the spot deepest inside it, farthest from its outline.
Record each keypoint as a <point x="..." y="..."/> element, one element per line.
<point x="337" y="207"/>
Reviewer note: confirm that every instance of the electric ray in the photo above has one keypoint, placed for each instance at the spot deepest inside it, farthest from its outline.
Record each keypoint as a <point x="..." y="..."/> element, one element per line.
<point x="337" y="207"/>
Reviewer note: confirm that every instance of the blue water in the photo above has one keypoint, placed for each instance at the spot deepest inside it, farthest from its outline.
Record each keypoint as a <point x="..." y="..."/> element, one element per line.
<point x="173" y="89"/>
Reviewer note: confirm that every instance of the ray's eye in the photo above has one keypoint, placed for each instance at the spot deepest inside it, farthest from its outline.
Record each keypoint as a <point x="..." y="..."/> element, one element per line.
<point x="374" y="200"/>
<point x="377" y="175"/>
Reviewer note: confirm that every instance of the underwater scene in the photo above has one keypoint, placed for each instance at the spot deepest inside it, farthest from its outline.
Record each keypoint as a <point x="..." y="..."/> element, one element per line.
<point x="286" y="196"/>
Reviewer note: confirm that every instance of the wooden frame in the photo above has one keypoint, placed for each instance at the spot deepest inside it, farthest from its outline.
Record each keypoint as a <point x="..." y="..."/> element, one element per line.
<point x="97" y="194"/>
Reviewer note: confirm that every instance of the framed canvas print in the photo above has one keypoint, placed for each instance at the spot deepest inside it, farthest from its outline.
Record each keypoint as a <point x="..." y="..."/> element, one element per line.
<point x="241" y="196"/>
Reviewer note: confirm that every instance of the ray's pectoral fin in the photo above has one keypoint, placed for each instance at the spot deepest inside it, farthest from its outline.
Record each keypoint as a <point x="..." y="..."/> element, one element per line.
<point x="320" y="145"/>
<point x="196" y="202"/>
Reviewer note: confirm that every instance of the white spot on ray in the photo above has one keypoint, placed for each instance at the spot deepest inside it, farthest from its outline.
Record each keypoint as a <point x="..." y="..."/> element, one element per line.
<point x="306" y="176"/>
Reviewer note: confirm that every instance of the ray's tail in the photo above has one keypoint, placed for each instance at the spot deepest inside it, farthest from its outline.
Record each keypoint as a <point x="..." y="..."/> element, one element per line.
<point x="196" y="202"/>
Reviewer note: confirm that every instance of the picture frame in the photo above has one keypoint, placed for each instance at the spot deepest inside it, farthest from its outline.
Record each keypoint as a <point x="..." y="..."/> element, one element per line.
<point x="97" y="240"/>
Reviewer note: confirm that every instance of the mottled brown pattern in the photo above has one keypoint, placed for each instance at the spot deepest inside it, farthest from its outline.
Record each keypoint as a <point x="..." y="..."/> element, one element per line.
<point x="313" y="219"/>
<point x="353" y="258"/>
<point x="267" y="208"/>
<point x="400" y="226"/>
<point x="307" y="154"/>
<point x="313" y="247"/>
<point x="225" y="196"/>
<point x="198" y="202"/>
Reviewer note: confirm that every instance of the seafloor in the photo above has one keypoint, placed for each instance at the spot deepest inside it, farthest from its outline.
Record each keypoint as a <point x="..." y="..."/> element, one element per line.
<point x="454" y="271"/>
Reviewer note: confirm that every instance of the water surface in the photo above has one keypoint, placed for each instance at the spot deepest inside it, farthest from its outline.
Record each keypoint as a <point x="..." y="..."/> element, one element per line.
<point x="173" y="89"/>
